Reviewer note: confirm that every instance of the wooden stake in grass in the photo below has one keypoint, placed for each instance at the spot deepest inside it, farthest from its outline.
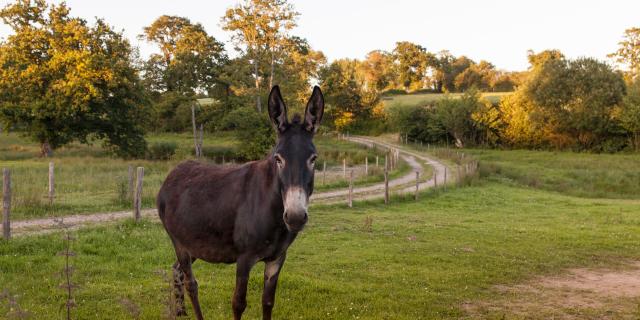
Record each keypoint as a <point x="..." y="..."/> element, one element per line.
<point x="6" y="203"/>
<point x="377" y="161"/>
<point x="130" y="184"/>
<point x="435" y="180"/>
<point x="366" y="166"/>
<point x="386" y="182"/>
<point x="324" y="172"/>
<point x="351" y="189"/>
<point x="445" y="179"/>
<point x="344" y="168"/>
<point x="137" y="199"/>
<point x="417" y="184"/>
<point x="51" y="183"/>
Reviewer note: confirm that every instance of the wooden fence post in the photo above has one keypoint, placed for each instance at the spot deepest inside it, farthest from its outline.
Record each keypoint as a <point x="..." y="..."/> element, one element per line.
<point x="417" y="183"/>
<point x="445" y="179"/>
<point x="366" y="166"/>
<point x="324" y="172"/>
<point x="137" y="201"/>
<point x="459" y="175"/>
<point x="351" y="189"/>
<point x="376" y="161"/>
<point x="130" y="177"/>
<point x="344" y="168"/>
<point x="435" y="179"/>
<point x="6" y="203"/>
<point x="386" y="182"/>
<point x="51" y="183"/>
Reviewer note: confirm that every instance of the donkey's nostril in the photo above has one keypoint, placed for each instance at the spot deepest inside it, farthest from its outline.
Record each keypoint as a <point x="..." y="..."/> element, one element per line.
<point x="286" y="215"/>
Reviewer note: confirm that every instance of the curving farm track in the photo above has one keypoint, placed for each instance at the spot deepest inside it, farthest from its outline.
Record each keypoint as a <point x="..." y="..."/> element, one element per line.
<point x="402" y="184"/>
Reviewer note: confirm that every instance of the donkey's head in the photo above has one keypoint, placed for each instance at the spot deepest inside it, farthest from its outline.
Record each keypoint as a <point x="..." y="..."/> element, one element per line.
<point x="295" y="155"/>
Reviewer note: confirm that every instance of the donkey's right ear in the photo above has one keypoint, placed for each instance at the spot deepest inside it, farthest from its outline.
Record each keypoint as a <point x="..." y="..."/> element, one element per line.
<point x="278" y="110"/>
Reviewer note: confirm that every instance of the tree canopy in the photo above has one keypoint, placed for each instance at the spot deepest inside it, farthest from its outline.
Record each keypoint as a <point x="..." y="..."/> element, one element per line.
<point x="62" y="79"/>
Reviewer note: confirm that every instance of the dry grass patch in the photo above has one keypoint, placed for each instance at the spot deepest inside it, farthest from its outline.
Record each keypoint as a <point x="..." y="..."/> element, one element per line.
<point x="577" y="294"/>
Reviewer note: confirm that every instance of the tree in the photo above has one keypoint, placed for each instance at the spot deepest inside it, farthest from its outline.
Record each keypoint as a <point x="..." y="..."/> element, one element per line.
<point x="299" y="64"/>
<point x="347" y="100"/>
<point x="411" y="61"/>
<point x="456" y="116"/>
<point x="63" y="80"/>
<point x="630" y="113"/>
<point x="629" y="51"/>
<point x="566" y="103"/>
<point x="378" y="70"/>
<point x="260" y="27"/>
<point x="190" y="60"/>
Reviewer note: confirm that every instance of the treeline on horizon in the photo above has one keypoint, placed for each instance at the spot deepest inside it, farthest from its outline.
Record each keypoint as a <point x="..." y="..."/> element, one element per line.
<point x="63" y="79"/>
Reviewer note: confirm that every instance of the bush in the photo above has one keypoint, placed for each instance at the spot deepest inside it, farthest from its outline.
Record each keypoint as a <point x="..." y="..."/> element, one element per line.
<point x="254" y="131"/>
<point x="161" y="150"/>
<point x="392" y="92"/>
<point x="217" y="152"/>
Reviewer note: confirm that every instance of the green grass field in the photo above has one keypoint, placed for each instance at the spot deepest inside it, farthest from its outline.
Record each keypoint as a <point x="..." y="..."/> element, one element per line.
<point x="87" y="180"/>
<point x="578" y="174"/>
<point x="417" y="260"/>
<point x="428" y="98"/>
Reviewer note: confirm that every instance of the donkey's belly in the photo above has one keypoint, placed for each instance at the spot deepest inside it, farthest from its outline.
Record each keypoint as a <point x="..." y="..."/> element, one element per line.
<point x="215" y="254"/>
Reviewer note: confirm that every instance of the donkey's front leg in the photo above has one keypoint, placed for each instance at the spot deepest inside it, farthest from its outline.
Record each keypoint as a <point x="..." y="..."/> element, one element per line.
<point x="271" y="273"/>
<point x="239" y="303"/>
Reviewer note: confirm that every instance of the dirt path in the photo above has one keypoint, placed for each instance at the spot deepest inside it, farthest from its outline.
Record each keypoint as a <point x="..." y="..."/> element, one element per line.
<point x="405" y="183"/>
<point x="582" y="293"/>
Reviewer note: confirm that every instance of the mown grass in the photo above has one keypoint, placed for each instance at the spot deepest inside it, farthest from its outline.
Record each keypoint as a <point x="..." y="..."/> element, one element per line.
<point x="578" y="174"/>
<point x="429" y="98"/>
<point x="88" y="180"/>
<point x="408" y="260"/>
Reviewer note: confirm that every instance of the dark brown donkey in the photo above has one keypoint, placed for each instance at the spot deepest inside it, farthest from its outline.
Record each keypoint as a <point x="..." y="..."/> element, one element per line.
<point x="243" y="214"/>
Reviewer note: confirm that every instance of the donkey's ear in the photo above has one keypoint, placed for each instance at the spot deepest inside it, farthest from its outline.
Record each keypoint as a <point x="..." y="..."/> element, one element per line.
<point x="314" y="111"/>
<point x="278" y="110"/>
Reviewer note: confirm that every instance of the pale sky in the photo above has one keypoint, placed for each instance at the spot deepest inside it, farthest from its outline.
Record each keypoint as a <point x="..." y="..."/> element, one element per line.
<point x="500" y="31"/>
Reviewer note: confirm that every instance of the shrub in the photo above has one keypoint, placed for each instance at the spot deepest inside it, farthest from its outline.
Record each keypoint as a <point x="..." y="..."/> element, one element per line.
<point x="161" y="150"/>
<point x="254" y="132"/>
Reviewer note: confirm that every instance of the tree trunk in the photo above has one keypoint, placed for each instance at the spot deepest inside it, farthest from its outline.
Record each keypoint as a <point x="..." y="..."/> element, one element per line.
<point x="273" y="58"/>
<point x="255" y="72"/>
<point x="45" y="150"/>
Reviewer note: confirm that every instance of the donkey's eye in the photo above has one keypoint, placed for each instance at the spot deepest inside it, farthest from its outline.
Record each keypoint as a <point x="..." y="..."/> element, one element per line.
<point x="312" y="160"/>
<point x="279" y="160"/>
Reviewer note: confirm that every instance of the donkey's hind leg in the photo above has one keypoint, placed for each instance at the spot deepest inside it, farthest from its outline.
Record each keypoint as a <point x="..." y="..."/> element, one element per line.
<point x="178" y="307"/>
<point x="190" y="283"/>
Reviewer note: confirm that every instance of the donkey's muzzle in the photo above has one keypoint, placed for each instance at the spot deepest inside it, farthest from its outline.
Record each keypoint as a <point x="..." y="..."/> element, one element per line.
<point x="295" y="221"/>
<point x="295" y="208"/>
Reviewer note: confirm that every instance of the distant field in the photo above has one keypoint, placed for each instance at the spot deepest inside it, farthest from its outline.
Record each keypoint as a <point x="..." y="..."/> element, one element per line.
<point x="588" y="175"/>
<point x="415" y="260"/>
<point x="88" y="180"/>
<point x="578" y="174"/>
<point x="427" y="98"/>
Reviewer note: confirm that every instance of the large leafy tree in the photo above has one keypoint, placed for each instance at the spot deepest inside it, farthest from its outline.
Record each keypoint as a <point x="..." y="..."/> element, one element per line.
<point x="630" y="113"/>
<point x="62" y="79"/>
<point x="566" y="103"/>
<point x="347" y="100"/>
<point x="260" y="31"/>
<point x="190" y="60"/>
<point x="411" y="61"/>
<point x="629" y="51"/>
<point x="378" y="70"/>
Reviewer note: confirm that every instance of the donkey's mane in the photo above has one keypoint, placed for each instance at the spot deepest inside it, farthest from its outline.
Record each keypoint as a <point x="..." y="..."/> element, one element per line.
<point x="297" y="119"/>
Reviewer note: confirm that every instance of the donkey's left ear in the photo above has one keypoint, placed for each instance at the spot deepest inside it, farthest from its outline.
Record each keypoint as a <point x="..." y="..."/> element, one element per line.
<point x="314" y="111"/>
